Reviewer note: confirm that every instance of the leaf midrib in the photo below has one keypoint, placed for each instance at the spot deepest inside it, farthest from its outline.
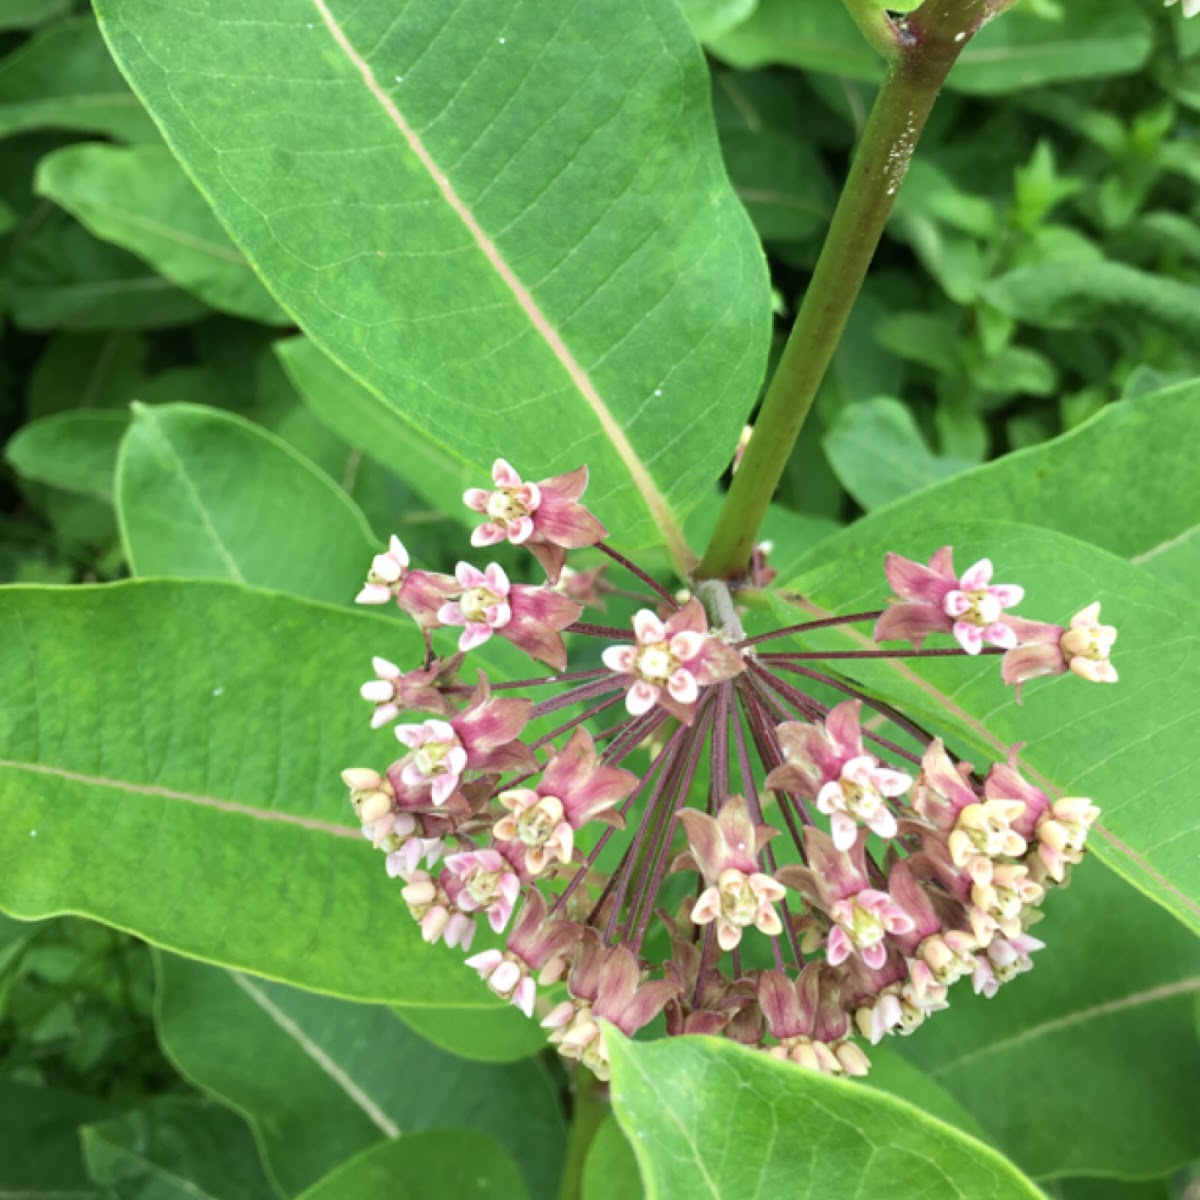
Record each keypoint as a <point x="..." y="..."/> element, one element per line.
<point x="652" y="497"/>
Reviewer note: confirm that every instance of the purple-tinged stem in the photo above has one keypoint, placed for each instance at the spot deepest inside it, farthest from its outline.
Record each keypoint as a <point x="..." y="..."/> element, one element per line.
<point x="544" y="681"/>
<point x="947" y="652"/>
<point x="755" y="806"/>
<point x="708" y="956"/>
<point x="588" y="691"/>
<point x="640" y="913"/>
<point x="612" y="633"/>
<point x="719" y="770"/>
<point x="824" y="623"/>
<point x="636" y="732"/>
<point x="896" y="717"/>
<point x="598" y="707"/>
<point x="793" y="696"/>
<point x="637" y="571"/>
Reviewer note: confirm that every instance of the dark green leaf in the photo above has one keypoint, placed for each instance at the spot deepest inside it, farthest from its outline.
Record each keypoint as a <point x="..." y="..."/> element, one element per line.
<point x="75" y="451"/>
<point x="203" y="494"/>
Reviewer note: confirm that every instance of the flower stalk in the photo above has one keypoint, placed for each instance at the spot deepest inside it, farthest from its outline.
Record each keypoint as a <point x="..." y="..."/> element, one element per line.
<point x="920" y="48"/>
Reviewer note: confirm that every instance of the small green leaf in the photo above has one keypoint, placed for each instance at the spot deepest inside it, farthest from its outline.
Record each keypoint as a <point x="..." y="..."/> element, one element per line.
<point x="41" y="1141"/>
<point x="64" y="78"/>
<point x="60" y="277"/>
<point x="139" y="198"/>
<point x="204" y="494"/>
<point x="708" y="1118"/>
<point x="495" y="266"/>
<point x="175" y="1149"/>
<point x="711" y="18"/>
<point x="75" y="451"/>
<point x="25" y="14"/>
<point x="425" y="1166"/>
<point x="879" y="454"/>
<point x="184" y="786"/>
<point x="321" y="1079"/>
<point x="87" y="370"/>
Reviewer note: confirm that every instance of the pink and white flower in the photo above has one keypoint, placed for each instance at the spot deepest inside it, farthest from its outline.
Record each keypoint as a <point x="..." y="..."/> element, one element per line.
<point x="418" y="593"/>
<point x="1005" y="959"/>
<point x="934" y="599"/>
<point x="574" y="789"/>
<point x="857" y="797"/>
<point x="725" y="851"/>
<point x="432" y="905"/>
<point x="546" y="516"/>
<point x="393" y="691"/>
<point x="671" y="661"/>
<point x="1083" y="647"/>
<point x="861" y="923"/>
<point x="483" y="737"/>
<point x="529" y="617"/>
<point x="808" y="1021"/>
<point x="488" y="883"/>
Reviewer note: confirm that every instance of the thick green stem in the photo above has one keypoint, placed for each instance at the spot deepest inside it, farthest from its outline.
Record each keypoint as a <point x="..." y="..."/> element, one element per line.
<point x="926" y="44"/>
<point x="590" y="1109"/>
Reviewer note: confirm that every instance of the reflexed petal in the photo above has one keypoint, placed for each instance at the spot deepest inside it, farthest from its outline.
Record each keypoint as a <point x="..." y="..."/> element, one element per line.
<point x="487" y="534"/>
<point x="647" y="628"/>
<point x="503" y="474"/>
<point x="686" y="645"/>
<point x="640" y="698"/>
<point x="469" y="576"/>
<point x="968" y="636"/>
<point x="682" y="685"/>
<point x="397" y="551"/>
<point x="474" y="636"/>
<point x="520" y="530"/>
<point x="1001" y="635"/>
<point x="1008" y="594"/>
<point x="477" y="499"/>
<point x="976" y="576"/>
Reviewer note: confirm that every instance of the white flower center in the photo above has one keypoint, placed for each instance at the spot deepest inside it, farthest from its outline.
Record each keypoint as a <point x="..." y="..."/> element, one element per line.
<point x="536" y="825"/>
<point x="483" y="886"/>
<point x="503" y="507"/>
<point x="865" y="927"/>
<point x="655" y="663"/>
<point x="862" y="802"/>
<point x="985" y="608"/>
<point x="738" y="902"/>
<point x="429" y="757"/>
<point x="475" y="602"/>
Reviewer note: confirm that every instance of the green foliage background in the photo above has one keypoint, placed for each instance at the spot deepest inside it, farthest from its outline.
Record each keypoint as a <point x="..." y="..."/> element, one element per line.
<point x="243" y="338"/>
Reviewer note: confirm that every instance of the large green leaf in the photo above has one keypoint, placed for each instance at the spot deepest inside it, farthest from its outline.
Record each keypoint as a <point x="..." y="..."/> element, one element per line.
<point x="321" y="1079"/>
<point x="491" y="1035"/>
<point x="610" y="1171"/>
<point x="139" y="198"/>
<point x="425" y="1166"/>
<point x="708" y="1118"/>
<point x="87" y="370"/>
<point x="1124" y="745"/>
<point x="169" y="757"/>
<point x="63" y="78"/>
<point x="1105" y="1024"/>
<point x="175" y="1149"/>
<point x="24" y="14"/>
<point x="482" y="213"/>
<point x="1117" y="481"/>
<point x="204" y="494"/>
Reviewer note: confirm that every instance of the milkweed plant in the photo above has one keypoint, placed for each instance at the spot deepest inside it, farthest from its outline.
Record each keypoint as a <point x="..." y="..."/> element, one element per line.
<point x="748" y="790"/>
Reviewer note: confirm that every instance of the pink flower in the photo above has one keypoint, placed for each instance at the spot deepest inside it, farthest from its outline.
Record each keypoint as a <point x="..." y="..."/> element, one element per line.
<point x="1005" y="959"/>
<point x="534" y="945"/>
<point x="725" y="851"/>
<point x="607" y="985"/>
<point x="489" y="883"/>
<point x="483" y="737"/>
<point x="862" y="921"/>
<point x="547" y="516"/>
<point x="806" y="1016"/>
<point x="418" y="593"/>
<point x="671" y="661"/>
<point x="933" y="599"/>
<point x="392" y="691"/>
<point x="1042" y="649"/>
<point x="529" y="617"/>
<point x="432" y="906"/>
<point x="575" y="789"/>
<point x="826" y="762"/>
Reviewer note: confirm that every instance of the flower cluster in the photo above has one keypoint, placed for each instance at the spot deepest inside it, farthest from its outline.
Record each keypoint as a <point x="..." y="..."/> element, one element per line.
<point x="819" y="881"/>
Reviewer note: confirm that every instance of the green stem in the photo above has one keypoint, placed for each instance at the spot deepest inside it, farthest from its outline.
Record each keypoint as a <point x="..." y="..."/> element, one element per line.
<point x="590" y="1109"/>
<point x="925" y="45"/>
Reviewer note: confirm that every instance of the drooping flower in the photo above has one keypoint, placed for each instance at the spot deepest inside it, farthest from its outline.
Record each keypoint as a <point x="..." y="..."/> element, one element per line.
<point x="671" y="661"/>
<point x="737" y="893"/>
<point x="546" y="517"/>
<point x="934" y="599"/>
<point x="551" y="825"/>
<point x="419" y="593"/>
<point x="575" y="789"/>
<point x="828" y="763"/>
<point x="483" y="737"/>
<point x="394" y="691"/>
